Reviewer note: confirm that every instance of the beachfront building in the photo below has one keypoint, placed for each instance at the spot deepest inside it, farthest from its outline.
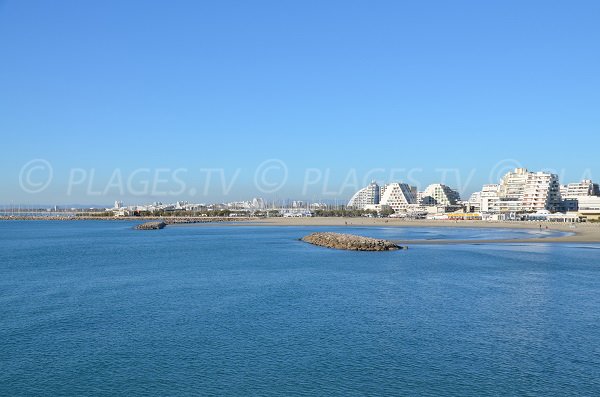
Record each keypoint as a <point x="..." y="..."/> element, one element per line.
<point x="584" y="188"/>
<point x="439" y="195"/>
<point x="505" y="197"/>
<point x="369" y="195"/>
<point x="521" y="191"/>
<point x="398" y="196"/>
<point x="589" y="208"/>
<point x="474" y="203"/>
<point x="572" y="193"/>
<point x="541" y="192"/>
<point x="489" y="198"/>
<point x="513" y="184"/>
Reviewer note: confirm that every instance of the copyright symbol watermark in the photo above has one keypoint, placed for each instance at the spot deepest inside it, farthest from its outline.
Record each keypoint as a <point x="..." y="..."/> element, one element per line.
<point x="270" y="176"/>
<point x="502" y="168"/>
<point x="36" y="176"/>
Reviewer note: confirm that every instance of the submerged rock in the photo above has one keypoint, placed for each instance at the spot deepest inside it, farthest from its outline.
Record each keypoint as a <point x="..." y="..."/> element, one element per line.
<point x="151" y="226"/>
<point x="350" y="242"/>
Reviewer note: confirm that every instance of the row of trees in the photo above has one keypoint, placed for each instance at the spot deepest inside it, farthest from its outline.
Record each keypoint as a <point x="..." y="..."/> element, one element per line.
<point x="345" y="213"/>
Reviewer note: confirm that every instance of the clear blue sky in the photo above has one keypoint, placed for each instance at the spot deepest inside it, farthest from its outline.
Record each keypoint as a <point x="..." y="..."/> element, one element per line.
<point x="336" y="85"/>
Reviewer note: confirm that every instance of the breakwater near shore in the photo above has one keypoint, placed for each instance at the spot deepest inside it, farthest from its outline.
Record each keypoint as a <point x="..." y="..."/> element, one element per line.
<point x="350" y="242"/>
<point x="151" y="226"/>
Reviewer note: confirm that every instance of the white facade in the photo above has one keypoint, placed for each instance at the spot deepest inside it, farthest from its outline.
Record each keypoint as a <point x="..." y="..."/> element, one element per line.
<point x="399" y="196"/>
<point x="439" y="195"/>
<point x="513" y="184"/>
<point x="365" y="196"/>
<point x="475" y="201"/>
<point x="589" y="208"/>
<point x="589" y="203"/>
<point x="489" y="198"/>
<point x="542" y="192"/>
<point x="579" y="189"/>
<point x="572" y="193"/>
<point x="522" y="191"/>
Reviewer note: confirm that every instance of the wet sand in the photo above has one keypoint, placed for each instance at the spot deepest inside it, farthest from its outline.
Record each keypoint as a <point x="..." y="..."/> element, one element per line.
<point x="580" y="233"/>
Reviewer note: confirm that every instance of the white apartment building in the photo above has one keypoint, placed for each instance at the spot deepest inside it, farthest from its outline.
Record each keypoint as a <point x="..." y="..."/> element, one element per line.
<point x="580" y="189"/>
<point x="589" y="208"/>
<point x="366" y="196"/>
<point x="541" y="192"/>
<point x="508" y="206"/>
<point x="399" y="196"/>
<point x="439" y="195"/>
<point x="513" y="184"/>
<point x="522" y="191"/>
<point x="573" y="193"/>
<point x="489" y="198"/>
<point x="475" y="201"/>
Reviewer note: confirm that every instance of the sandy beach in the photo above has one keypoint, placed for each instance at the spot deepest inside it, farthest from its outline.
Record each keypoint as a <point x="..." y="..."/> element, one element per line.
<point x="581" y="232"/>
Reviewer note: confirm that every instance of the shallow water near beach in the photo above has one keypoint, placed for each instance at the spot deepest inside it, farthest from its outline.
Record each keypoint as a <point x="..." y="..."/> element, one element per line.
<point x="97" y="308"/>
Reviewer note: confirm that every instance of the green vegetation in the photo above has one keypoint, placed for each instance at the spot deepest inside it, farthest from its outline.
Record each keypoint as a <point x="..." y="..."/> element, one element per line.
<point x="268" y="213"/>
<point x="95" y="214"/>
<point x="347" y="213"/>
<point x="387" y="211"/>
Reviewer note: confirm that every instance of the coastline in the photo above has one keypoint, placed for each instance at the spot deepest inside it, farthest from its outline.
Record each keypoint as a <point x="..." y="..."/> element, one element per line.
<point x="581" y="233"/>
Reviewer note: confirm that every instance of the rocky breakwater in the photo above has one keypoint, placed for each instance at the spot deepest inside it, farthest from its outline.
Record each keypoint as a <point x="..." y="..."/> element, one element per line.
<point x="151" y="226"/>
<point x="350" y="242"/>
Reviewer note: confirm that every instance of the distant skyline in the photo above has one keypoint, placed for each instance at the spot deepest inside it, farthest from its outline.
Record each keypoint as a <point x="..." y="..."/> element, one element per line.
<point x="116" y="95"/>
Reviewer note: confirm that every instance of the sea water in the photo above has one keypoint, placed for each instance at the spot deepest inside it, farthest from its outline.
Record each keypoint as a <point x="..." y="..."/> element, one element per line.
<point x="98" y="308"/>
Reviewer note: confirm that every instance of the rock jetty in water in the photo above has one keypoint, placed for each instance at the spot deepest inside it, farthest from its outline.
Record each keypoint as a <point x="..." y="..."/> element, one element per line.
<point x="151" y="226"/>
<point x="350" y="242"/>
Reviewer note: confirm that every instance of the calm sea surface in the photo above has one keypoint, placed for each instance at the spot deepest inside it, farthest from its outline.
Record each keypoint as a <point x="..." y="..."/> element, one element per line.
<point x="97" y="308"/>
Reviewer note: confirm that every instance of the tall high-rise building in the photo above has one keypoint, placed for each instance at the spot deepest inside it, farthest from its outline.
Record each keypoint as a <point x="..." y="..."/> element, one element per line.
<point x="522" y="191"/>
<point x="399" y="196"/>
<point x="368" y="195"/>
<point x="542" y="192"/>
<point x="440" y="195"/>
<point x="513" y="184"/>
